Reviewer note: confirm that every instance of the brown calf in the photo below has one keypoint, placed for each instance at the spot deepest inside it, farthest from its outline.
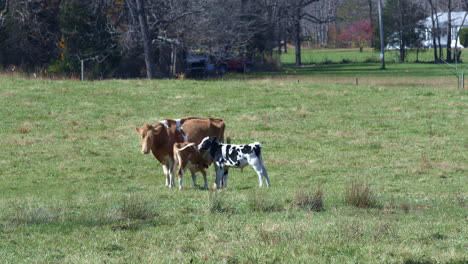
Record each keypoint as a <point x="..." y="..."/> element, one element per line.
<point x="160" y="138"/>
<point x="187" y="156"/>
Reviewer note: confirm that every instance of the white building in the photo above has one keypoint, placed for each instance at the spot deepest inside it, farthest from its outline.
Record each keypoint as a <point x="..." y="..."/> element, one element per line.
<point x="458" y="22"/>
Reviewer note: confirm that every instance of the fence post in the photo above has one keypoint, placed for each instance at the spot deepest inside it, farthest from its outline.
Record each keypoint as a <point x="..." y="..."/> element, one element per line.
<point x="463" y="80"/>
<point x="82" y="70"/>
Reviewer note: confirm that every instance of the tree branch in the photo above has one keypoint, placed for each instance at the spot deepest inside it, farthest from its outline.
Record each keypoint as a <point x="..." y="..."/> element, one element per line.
<point x="3" y="13"/>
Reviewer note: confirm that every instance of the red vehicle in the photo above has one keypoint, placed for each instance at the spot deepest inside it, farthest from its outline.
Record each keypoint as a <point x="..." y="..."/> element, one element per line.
<point x="233" y="64"/>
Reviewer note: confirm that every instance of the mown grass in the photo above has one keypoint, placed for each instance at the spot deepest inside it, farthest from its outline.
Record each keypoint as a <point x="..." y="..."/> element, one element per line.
<point x="323" y="56"/>
<point x="75" y="188"/>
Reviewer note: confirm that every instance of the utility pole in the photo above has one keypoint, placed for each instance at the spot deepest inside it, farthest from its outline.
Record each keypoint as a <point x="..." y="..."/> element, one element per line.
<point x="382" y="52"/>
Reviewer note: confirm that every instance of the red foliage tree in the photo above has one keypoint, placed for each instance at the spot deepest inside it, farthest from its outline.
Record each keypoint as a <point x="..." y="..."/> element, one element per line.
<point x="359" y="33"/>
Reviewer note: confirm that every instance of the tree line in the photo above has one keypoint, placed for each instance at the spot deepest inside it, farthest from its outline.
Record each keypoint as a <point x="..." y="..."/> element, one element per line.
<point x="135" y="38"/>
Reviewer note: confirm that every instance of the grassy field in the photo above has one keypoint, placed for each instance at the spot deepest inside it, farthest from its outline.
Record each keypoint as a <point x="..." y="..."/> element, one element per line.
<point x="75" y="188"/>
<point x="310" y="56"/>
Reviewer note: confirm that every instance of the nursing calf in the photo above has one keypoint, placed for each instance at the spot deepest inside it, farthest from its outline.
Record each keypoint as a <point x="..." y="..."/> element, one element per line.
<point x="226" y="156"/>
<point x="187" y="157"/>
<point x="159" y="139"/>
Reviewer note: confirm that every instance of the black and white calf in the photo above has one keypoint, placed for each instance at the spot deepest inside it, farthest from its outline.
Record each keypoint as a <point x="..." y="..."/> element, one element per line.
<point x="226" y="156"/>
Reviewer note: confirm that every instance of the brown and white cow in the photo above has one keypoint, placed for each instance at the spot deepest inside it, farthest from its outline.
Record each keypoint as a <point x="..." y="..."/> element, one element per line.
<point x="187" y="157"/>
<point x="160" y="138"/>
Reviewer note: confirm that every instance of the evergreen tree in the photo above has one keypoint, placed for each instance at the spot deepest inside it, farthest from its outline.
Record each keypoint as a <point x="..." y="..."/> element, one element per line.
<point x="403" y="26"/>
<point x="85" y="36"/>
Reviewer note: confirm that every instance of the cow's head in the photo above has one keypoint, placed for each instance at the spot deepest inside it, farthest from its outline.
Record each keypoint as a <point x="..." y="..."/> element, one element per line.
<point x="147" y="133"/>
<point x="206" y="147"/>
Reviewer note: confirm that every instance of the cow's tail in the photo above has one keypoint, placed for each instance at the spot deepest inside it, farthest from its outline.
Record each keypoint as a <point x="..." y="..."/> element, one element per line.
<point x="188" y="146"/>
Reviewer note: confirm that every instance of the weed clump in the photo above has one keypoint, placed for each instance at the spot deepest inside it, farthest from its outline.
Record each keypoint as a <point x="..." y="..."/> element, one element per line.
<point x="137" y="208"/>
<point x="260" y="202"/>
<point x="309" y="200"/>
<point x="24" y="129"/>
<point x="37" y="215"/>
<point x="360" y="194"/>
<point x="217" y="203"/>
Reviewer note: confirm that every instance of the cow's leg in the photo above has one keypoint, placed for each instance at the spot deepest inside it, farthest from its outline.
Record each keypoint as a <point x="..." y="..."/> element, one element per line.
<point x="171" y="176"/>
<point x="177" y="169"/>
<point x="180" y="174"/>
<point x="260" y="170"/>
<point x="219" y="175"/>
<point x="225" y="177"/>
<point x="204" y="178"/>
<point x="265" y="175"/>
<point x="168" y="167"/>
<point x="166" y="173"/>
<point x="194" y="179"/>
<point x="181" y="171"/>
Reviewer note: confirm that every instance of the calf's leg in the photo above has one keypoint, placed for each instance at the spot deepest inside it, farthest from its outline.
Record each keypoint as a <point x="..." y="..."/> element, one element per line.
<point x="261" y="171"/>
<point x="225" y="177"/>
<point x="219" y="176"/>
<point x="204" y="178"/>
<point x="194" y="179"/>
<point x="265" y="175"/>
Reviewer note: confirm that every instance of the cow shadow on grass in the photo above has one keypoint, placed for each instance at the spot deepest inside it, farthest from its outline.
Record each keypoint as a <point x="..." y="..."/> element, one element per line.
<point x="245" y="188"/>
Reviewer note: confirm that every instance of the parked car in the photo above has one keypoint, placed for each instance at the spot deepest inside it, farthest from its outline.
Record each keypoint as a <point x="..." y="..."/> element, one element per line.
<point x="197" y="65"/>
<point x="233" y="64"/>
<point x="201" y="65"/>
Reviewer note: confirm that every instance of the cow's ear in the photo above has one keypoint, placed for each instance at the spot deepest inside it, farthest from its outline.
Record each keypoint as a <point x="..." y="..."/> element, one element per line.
<point x="156" y="130"/>
<point x="138" y="130"/>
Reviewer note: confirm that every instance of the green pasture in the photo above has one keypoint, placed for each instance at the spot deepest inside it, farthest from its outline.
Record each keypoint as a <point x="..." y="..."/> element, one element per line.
<point x="76" y="189"/>
<point x="321" y="56"/>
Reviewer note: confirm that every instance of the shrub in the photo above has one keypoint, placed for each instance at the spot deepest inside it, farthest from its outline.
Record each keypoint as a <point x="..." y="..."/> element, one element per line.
<point x="360" y="194"/>
<point x="463" y="34"/>
<point x="309" y="200"/>
<point x="346" y="61"/>
<point x="372" y="60"/>
<point x="60" y="67"/>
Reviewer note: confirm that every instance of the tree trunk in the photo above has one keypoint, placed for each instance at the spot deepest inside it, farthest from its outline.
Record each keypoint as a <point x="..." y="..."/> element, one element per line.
<point x="146" y="39"/>
<point x="402" y="51"/>
<point x="449" y="31"/>
<point x="434" y="43"/>
<point x="371" y="19"/>
<point x="297" y="28"/>
<point x="438" y="33"/>
<point x="173" y="60"/>
<point x="164" y="60"/>
<point x="3" y="13"/>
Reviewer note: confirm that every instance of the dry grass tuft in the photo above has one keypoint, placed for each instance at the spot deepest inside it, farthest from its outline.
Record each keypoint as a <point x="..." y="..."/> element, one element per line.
<point x="309" y="200"/>
<point x="37" y="215"/>
<point x="360" y="194"/>
<point x="25" y="128"/>
<point x="181" y="76"/>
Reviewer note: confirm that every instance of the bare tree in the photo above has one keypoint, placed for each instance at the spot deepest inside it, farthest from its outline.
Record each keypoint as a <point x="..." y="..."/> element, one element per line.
<point x="148" y="51"/>
<point x="449" y="30"/>
<point x="297" y="12"/>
